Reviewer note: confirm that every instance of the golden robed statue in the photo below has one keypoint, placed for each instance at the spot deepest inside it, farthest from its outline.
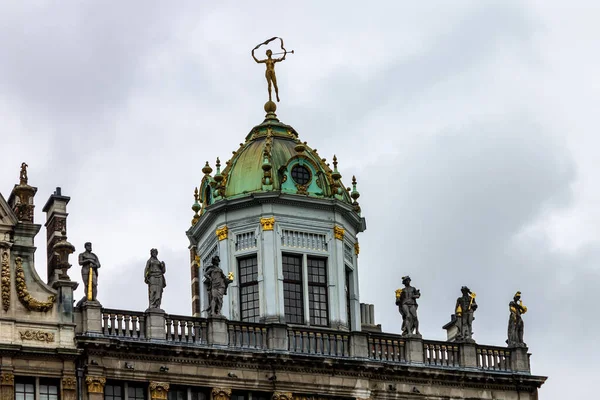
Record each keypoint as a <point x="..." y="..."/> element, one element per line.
<point x="270" y="64"/>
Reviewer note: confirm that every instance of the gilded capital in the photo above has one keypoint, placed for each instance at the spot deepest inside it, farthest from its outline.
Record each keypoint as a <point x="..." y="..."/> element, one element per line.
<point x="69" y="382"/>
<point x="339" y="232"/>
<point x="222" y="233"/>
<point x="95" y="384"/>
<point x="221" y="393"/>
<point x="356" y="248"/>
<point x="267" y="223"/>
<point x="282" y="396"/>
<point x="7" y="379"/>
<point x="159" y="390"/>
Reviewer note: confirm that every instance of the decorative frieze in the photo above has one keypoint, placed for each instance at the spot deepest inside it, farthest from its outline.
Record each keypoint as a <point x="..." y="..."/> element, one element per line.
<point x="221" y="393"/>
<point x="339" y="232"/>
<point x="40" y="336"/>
<point x="267" y="223"/>
<point x="222" y="233"/>
<point x="23" y="294"/>
<point x="304" y="240"/>
<point x="5" y="279"/>
<point x="159" y="390"/>
<point x="95" y="384"/>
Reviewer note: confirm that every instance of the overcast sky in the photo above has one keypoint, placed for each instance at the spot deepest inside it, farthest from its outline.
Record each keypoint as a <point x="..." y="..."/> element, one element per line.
<point x="469" y="126"/>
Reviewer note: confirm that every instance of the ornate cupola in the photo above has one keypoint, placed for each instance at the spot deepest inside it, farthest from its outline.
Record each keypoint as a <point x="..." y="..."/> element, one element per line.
<point x="285" y="229"/>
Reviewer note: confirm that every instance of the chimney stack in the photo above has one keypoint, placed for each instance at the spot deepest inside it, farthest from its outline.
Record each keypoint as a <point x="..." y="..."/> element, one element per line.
<point x="56" y="228"/>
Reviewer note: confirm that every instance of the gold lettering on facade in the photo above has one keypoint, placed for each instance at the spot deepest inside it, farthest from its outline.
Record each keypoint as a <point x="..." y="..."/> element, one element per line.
<point x="40" y="336"/>
<point x="95" y="384"/>
<point x="267" y="223"/>
<point x="29" y="302"/>
<point x="221" y="393"/>
<point x="5" y="279"/>
<point x="222" y="233"/>
<point x="339" y="232"/>
<point x="159" y="390"/>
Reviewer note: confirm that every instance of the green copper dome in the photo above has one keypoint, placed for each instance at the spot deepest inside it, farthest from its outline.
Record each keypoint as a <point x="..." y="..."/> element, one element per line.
<point x="273" y="159"/>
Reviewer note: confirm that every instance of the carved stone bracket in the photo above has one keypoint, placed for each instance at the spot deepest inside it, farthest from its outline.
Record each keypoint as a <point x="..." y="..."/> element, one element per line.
<point x="222" y="233"/>
<point x="5" y="279"/>
<point x="29" y="302"/>
<point x="159" y="390"/>
<point x="40" y="336"/>
<point x="267" y="223"/>
<point x="221" y="393"/>
<point x="339" y="232"/>
<point x="282" y="396"/>
<point x="95" y="384"/>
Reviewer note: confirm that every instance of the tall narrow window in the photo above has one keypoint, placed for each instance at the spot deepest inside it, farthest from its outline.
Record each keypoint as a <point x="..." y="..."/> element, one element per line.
<point x="292" y="289"/>
<point x="317" y="291"/>
<point x="24" y="389"/>
<point x="48" y="390"/>
<point x="348" y="305"/>
<point x="249" y="298"/>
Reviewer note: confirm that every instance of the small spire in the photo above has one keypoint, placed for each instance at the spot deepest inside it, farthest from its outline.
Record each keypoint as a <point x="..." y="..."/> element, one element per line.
<point x="218" y="177"/>
<point x="206" y="170"/>
<point x="196" y="207"/>
<point x="335" y="175"/>
<point x="355" y="195"/>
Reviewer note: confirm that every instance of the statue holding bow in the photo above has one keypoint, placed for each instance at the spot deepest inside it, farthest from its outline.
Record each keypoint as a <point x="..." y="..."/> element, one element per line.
<point x="270" y="63"/>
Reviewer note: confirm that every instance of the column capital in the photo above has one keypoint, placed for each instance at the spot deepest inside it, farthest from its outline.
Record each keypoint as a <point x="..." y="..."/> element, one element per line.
<point x="219" y="393"/>
<point x="7" y="379"/>
<point x="159" y="390"/>
<point x="267" y="223"/>
<point x="69" y="382"/>
<point x="95" y="384"/>
<point x="282" y="396"/>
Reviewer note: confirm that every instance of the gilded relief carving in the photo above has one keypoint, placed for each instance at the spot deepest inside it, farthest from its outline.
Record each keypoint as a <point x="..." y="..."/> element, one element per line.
<point x="221" y="393"/>
<point x="29" y="302"/>
<point x="339" y="232"/>
<point x="95" y="384"/>
<point x="267" y="223"/>
<point x="222" y="233"/>
<point x="159" y="390"/>
<point x="40" y="336"/>
<point x="5" y="279"/>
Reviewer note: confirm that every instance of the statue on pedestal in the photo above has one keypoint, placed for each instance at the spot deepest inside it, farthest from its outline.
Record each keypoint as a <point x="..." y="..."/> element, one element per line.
<point x="515" y="322"/>
<point x="154" y="276"/>
<point x="465" y="307"/>
<point x="89" y="272"/>
<point x="216" y="286"/>
<point x="406" y="300"/>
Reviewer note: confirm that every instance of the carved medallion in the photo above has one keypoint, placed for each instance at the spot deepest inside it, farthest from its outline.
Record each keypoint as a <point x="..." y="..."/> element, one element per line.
<point x="95" y="384"/>
<point x="24" y="297"/>
<point x="267" y="223"/>
<point x="222" y="233"/>
<point x="221" y="393"/>
<point x="40" y="336"/>
<point x="5" y="278"/>
<point x="339" y="232"/>
<point x="159" y="390"/>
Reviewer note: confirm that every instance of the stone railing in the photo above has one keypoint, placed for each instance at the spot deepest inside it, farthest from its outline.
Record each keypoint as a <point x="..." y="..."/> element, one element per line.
<point x="93" y="321"/>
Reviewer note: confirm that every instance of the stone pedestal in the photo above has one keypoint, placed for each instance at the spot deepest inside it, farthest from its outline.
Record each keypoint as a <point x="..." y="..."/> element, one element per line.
<point x="468" y="355"/>
<point x="414" y="350"/>
<point x="277" y="338"/>
<point x="359" y="345"/>
<point x="217" y="331"/>
<point x="91" y="313"/>
<point x="519" y="359"/>
<point x="155" y="324"/>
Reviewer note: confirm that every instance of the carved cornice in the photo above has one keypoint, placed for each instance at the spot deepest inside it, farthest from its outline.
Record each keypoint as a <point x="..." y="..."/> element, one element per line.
<point x="40" y="336"/>
<point x="7" y="379"/>
<point x="5" y="279"/>
<point x="29" y="302"/>
<point x="159" y="390"/>
<point x="221" y="393"/>
<point x="69" y="382"/>
<point x="95" y="384"/>
<point x="339" y="232"/>
<point x="282" y="396"/>
<point x="222" y="233"/>
<point x="267" y="223"/>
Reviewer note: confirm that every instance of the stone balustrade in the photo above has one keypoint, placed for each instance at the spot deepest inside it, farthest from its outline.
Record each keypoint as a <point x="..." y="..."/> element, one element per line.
<point x="301" y="340"/>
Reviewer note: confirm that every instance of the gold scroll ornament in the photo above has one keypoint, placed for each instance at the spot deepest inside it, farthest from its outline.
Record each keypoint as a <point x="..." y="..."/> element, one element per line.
<point x="40" y="336"/>
<point x="23" y="294"/>
<point x="5" y="280"/>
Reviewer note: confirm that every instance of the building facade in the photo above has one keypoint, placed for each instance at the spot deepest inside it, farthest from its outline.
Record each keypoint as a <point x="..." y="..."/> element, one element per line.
<point x="275" y="302"/>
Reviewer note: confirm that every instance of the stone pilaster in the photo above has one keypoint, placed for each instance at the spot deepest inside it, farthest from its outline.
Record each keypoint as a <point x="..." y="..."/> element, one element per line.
<point x="282" y="396"/>
<point x="159" y="390"/>
<point x="69" y="387"/>
<point x="219" y="393"/>
<point x="7" y="386"/>
<point x="273" y="303"/>
<point x="224" y="255"/>
<point x="95" y="387"/>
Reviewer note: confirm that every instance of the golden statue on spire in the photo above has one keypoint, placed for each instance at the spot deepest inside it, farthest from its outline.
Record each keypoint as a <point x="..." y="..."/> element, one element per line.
<point x="270" y="63"/>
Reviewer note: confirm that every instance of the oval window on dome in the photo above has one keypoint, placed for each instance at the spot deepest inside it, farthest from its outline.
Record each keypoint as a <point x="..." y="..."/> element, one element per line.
<point x="300" y="174"/>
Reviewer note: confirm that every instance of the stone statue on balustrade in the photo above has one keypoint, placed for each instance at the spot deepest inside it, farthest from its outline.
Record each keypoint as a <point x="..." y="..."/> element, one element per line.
<point x="89" y="273"/>
<point x="406" y="300"/>
<point x="464" y="310"/>
<point x="154" y="276"/>
<point x="515" y="322"/>
<point x="216" y="285"/>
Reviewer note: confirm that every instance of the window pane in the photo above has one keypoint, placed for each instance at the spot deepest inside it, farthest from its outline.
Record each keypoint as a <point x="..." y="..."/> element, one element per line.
<point x="292" y="289"/>
<point x="317" y="291"/>
<point x="249" y="295"/>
